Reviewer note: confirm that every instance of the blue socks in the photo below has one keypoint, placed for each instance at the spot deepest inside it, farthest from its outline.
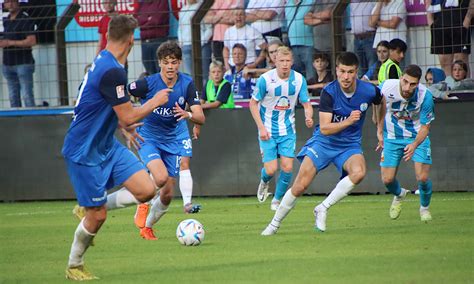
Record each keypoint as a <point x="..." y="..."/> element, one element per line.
<point x="425" y="193"/>
<point x="282" y="185"/>
<point x="265" y="177"/>
<point x="394" y="187"/>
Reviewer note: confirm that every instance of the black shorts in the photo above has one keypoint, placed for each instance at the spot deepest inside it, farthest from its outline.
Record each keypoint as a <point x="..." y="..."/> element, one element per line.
<point x="450" y="40"/>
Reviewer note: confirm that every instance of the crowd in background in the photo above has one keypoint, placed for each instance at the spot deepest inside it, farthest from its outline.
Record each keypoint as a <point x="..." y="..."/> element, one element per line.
<point x="236" y="35"/>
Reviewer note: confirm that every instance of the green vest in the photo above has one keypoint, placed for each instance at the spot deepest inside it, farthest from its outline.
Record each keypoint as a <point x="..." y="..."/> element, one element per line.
<point x="385" y="68"/>
<point x="212" y="96"/>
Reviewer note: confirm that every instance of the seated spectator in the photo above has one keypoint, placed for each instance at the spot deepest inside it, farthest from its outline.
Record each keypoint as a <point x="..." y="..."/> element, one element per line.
<point x="388" y="17"/>
<point x="18" y="62"/>
<point x="242" y="86"/>
<point x="186" y="14"/>
<point x="323" y="74"/>
<point x="217" y="93"/>
<point x="246" y="35"/>
<point x="271" y="57"/>
<point x="382" y="55"/>
<point x="458" y="81"/>
<point x="266" y="16"/>
<point x="390" y="69"/>
<point x="434" y="75"/>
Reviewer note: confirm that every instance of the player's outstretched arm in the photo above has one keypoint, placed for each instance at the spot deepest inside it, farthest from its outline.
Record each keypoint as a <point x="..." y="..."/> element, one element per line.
<point x="328" y="127"/>
<point x="128" y="115"/>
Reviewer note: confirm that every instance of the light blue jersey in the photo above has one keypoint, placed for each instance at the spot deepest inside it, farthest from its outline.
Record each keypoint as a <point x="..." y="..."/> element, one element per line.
<point x="277" y="101"/>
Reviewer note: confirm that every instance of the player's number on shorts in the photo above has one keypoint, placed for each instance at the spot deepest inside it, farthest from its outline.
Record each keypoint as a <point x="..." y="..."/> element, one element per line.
<point x="187" y="144"/>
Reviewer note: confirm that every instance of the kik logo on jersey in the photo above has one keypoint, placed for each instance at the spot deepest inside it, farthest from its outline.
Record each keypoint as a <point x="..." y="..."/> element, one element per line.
<point x="283" y="103"/>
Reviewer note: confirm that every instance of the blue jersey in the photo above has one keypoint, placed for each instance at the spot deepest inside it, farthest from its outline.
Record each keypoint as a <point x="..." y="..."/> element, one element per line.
<point x="160" y="125"/>
<point x="90" y="138"/>
<point x="333" y="100"/>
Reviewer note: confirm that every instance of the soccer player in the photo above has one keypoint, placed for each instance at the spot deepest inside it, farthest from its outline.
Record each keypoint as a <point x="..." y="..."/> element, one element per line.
<point x="405" y="126"/>
<point x="95" y="160"/>
<point x="336" y="140"/>
<point x="160" y="151"/>
<point x="273" y="108"/>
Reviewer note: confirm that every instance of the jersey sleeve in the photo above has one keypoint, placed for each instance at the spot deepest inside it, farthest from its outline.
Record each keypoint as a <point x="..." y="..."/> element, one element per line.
<point x="112" y="86"/>
<point x="393" y="73"/>
<point x="303" y="95"/>
<point x="427" y="109"/>
<point x="192" y="96"/>
<point x="138" y="88"/>
<point x="260" y="89"/>
<point x="326" y="102"/>
<point x="224" y="94"/>
<point x="378" y="96"/>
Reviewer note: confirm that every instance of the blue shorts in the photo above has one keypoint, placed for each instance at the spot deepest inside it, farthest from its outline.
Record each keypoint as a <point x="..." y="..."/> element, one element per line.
<point x="393" y="152"/>
<point x="152" y="151"/>
<point x="322" y="154"/>
<point x="92" y="182"/>
<point x="185" y="144"/>
<point x="278" y="146"/>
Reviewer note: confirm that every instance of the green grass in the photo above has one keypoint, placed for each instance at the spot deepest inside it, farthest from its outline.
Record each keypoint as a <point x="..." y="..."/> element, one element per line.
<point x="361" y="245"/>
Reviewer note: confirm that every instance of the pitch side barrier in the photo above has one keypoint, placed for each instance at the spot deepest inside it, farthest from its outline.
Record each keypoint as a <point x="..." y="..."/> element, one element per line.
<point x="226" y="159"/>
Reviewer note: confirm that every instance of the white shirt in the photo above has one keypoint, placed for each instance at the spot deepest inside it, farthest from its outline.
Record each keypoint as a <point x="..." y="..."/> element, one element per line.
<point x="396" y="8"/>
<point x="246" y="35"/>
<point x="273" y="5"/>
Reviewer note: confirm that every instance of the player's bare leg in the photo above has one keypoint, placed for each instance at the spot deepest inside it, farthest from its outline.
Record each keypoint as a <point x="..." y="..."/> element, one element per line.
<point x="305" y="176"/>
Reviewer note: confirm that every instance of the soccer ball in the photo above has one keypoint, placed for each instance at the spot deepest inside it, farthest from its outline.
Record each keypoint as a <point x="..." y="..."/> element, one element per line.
<point x="190" y="232"/>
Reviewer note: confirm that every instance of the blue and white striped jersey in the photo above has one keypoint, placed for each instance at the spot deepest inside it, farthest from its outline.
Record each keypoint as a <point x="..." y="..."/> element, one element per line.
<point x="405" y="117"/>
<point x="277" y="100"/>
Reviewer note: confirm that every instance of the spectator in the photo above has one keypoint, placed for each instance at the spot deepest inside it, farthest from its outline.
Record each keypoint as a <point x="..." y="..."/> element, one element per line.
<point x="388" y="17"/>
<point x="217" y="93"/>
<point x="320" y="19"/>
<point x="456" y="82"/>
<point x="153" y="18"/>
<point x="242" y="86"/>
<point x="109" y="7"/>
<point x="300" y="35"/>
<point x="18" y="62"/>
<point x="363" y="34"/>
<point x="221" y="17"/>
<point x="271" y="57"/>
<point x="382" y="55"/>
<point x="390" y="69"/>
<point x="265" y="16"/>
<point x="246" y="35"/>
<point x="449" y="38"/>
<point x="323" y="74"/>
<point x="434" y="76"/>
<point x="186" y="14"/>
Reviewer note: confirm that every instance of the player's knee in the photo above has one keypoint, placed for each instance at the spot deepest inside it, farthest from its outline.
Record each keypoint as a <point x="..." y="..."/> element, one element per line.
<point x="270" y="170"/>
<point x="287" y="168"/>
<point x="387" y="179"/>
<point x="357" y="175"/>
<point x="146" y="194"/>
<point x="97" y="215"/>
<point x="297" y="189"/>
<point x="422" y="178"/>
<point x="160" y="181"/>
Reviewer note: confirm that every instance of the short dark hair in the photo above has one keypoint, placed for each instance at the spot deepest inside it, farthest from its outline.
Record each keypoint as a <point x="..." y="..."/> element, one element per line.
<point x="348" y="59"/>
<point x="321" y="55"/>
<point x="398" y="44"/>
<point x="413" y="71"/>
<point x="384" y="43"/>
<point x="169" y="49"/>
<point x="460" y="63"/>
<point x="121" y="27"/>
<point x="241" y="46"/>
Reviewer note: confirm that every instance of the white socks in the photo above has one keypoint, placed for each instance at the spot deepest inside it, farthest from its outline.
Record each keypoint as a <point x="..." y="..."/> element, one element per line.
<point x="82" y="240"/>
<point x="157" y="211"/>
<point x="287" y="203"/>
<point x="342" y="189"/>
<point x="186" y="186"/>
<point x="120" y="199"/>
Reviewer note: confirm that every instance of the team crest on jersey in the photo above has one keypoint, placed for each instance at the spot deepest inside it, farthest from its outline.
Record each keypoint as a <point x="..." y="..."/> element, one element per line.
<point x="282" y="104"/>
<point x="181" y="100"/>
<point x="364" y="106"/>
<point x="293" y="83"/>
<point x="120" y="90"/>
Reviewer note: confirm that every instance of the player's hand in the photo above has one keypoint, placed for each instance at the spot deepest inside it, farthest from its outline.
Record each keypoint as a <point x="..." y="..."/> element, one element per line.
<point x="263" y="133"/>
<point x="196" y="132"/>
<point x="162" y="96"/>
<point x="180" y="113"/>
<point x="408" y="152"/>
<point x="309" y="122"/>
<point x="131" y="136"/>
<point x="355" y="116"/>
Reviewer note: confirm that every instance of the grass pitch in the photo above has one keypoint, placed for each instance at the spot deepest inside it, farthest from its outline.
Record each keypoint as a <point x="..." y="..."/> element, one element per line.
<point x="361" y="245"/>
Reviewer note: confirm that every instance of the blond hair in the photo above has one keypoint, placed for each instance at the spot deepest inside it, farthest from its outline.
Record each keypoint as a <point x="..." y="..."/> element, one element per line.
<point x="216" y="64"/>
<point x="284" y="50"/>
